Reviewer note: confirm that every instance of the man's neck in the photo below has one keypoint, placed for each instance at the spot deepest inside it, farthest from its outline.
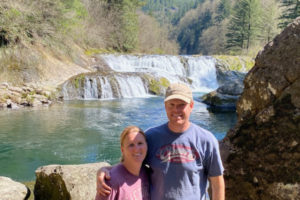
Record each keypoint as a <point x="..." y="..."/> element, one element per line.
<point x="179" y="128"/>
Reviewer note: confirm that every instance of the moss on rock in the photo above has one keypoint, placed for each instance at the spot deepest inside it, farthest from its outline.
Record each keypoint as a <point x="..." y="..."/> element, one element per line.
<point x="77" y="81"/>
<point x="237" y="63"/>
<point x="158" y="86"/>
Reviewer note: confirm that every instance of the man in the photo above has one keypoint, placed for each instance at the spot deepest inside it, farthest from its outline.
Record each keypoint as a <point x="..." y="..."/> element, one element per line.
<point x="182" y="156"/>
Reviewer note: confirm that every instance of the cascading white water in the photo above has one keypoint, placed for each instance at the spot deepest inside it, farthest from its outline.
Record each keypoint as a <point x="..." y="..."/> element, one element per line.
<point x="197" y="71"/>
<point x="65" y="91"/>
<point x="200" y="69"/>
<point x="90" y="88"/>
<point x="106" y="91"/>
<point x="131" y="86"/>
<point x="149" y="63"/>
<point x="203" y="73"/>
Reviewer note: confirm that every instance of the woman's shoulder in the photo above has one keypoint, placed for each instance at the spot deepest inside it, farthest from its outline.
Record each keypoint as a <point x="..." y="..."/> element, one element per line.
<point x="116" y="173"/>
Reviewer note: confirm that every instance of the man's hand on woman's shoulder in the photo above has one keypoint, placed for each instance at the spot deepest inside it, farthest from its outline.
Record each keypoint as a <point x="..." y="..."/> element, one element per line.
<point x="103" y="174"/>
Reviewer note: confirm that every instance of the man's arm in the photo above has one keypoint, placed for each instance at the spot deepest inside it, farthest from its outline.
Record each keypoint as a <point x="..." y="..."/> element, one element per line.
<point x="218" y="187"/>
<point x="103" y="174"/>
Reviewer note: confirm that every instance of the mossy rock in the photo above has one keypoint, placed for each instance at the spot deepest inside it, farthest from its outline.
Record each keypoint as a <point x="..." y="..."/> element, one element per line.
<point x="236" y="63"/>
<point x="77" y="81"/>
<point x="51" y="187"/>
<point x="158" y="87"/>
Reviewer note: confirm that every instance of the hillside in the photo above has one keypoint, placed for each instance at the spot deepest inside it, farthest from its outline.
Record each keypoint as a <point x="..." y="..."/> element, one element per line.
<point x="41" y="39"/>
<point x="232" y="27"/>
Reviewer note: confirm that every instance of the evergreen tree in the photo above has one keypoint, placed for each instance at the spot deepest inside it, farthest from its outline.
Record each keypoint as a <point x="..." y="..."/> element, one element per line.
<point x="223" y="10"/>
<point x="291" y="12"/>
<point x="129" y="20"/>
<point x="244" y="25"/>
<point x="269" y="26"/>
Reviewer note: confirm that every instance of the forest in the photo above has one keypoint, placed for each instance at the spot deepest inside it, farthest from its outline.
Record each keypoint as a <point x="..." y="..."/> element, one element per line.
<point x="223" y="26"/>
<point x="205" y="27"/>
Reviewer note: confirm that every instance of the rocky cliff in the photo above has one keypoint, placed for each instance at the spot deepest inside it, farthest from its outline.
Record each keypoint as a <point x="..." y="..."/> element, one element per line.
<point x="263" y="150"/>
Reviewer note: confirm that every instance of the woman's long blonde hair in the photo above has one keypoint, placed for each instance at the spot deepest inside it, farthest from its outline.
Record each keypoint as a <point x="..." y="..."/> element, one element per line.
<point x="126" y="131"/>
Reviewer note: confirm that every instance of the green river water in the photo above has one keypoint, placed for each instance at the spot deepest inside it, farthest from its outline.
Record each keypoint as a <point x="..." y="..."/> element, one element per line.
<point x="77" y="132"/>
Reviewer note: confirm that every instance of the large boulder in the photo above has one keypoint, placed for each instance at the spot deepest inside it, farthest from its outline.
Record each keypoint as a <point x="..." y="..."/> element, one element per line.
<point x="262" y="152"/>
<point x="12" y="190"/>
<point x="230" y="88"/>
<point x="220" y="102"/>
<point x="67" y="182"/>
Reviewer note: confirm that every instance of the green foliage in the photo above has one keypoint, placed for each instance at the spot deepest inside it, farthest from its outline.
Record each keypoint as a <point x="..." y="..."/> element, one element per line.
<point x="237" y="63"/>
<point x="191" y="28"/>
<point x="129" y="21"/>
<point x="157" y="86"/>
<point x="75" y="12"/>
<point x="270" y="19"/>
<point x="126" y="38"/>
<point x="225" y="26"/>
<point x="164" y="82"/>
<point x="93" y="51"/>
<point x="291" y="12"/>
<point x="223" y="10"/>
<point x="242" y="30"/>
<point x="78" y="80"/>
<point x="29" y="21"/>
<point x="169" y="11"/>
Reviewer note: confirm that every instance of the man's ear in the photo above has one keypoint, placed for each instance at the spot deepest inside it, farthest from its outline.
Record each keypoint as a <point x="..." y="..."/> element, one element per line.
<point x="192" y="104"/>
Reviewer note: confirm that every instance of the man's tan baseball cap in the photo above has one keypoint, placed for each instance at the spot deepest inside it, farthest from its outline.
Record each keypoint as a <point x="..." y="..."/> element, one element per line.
<point x="179" y="91"/>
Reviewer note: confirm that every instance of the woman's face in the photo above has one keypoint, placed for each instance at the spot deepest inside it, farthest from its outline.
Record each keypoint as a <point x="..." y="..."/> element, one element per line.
<point x="134" y="148"/>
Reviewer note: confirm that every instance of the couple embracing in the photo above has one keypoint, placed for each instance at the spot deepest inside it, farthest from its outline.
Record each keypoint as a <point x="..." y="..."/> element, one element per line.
<point x="173" y="161"/>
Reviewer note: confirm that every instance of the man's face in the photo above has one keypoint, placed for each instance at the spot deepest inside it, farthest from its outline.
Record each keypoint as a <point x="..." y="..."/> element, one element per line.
<point x="178" y="112"/>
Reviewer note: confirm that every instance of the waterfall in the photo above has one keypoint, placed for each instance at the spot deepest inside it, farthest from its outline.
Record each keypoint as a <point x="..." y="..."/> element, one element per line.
<point x="90" y="88"/>
<point x="128" y="76"/>
<point x="131" y="86"/>
<point x="106" y="90"/>
<point x="149" y="63"/>
<point x="203" y="73"/>
<point x="101" y="87"/>
<point x="199" y="69"/>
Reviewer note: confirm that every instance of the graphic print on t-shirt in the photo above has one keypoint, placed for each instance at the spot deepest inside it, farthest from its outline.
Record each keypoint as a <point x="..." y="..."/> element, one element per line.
<point x="177" y="153"/>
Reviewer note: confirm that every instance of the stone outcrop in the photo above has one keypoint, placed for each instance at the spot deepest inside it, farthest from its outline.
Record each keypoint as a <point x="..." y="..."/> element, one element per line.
<point x="24" y="96"/>
<point x="262" y="152"/>
<point x="10" y="189"/>
<point x="230" y="89"/>
<point x="65" y="182"/>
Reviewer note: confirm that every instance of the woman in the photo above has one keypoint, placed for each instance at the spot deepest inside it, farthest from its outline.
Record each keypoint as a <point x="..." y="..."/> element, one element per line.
<point x="128" y="178"/>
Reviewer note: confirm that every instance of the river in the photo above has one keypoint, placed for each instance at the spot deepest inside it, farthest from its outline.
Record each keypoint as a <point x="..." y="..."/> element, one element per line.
<point x="77" y="132"/>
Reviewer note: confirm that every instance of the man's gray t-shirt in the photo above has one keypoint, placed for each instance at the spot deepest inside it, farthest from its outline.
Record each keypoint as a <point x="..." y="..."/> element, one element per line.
<point x="181" y="162"/>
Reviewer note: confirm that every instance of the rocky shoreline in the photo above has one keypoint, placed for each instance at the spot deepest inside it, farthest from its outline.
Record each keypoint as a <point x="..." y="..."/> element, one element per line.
<point x="55" y="182"/>
<point x="14" y="97"/>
